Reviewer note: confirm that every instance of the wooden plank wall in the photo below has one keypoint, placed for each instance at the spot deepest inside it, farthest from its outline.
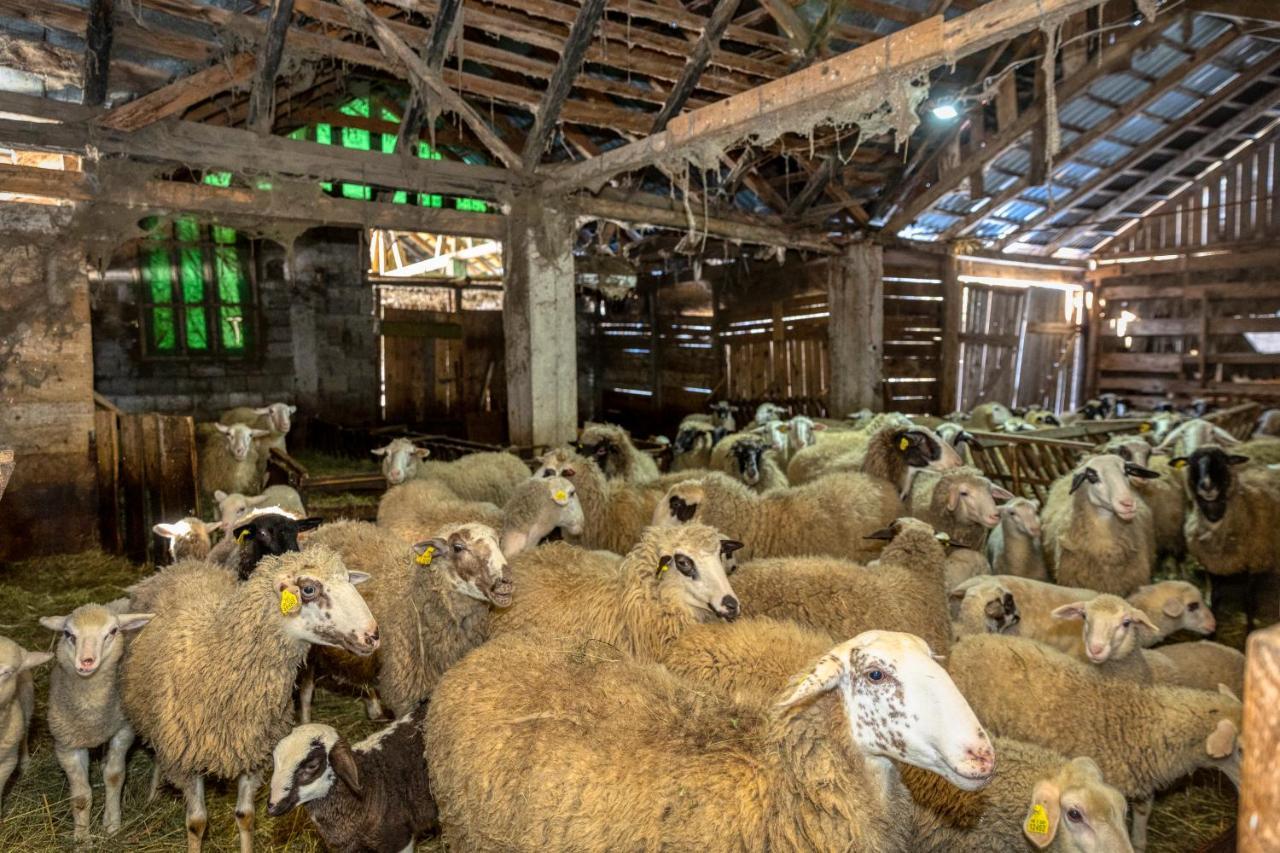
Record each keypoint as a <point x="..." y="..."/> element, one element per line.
<point x="1188" y="336"/>
<point x="146" y="474"/>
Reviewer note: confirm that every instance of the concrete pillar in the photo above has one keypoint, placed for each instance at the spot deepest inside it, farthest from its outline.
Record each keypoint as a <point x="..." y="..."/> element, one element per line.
<point x="538" y="322"/>
<point x="855" y="290"/>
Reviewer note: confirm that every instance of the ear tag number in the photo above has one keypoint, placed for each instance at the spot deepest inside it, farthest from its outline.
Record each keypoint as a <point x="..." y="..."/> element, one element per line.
<point x="424" y="559"/>
<point x="288" y="602"/>
<point x="1038" y="821"/>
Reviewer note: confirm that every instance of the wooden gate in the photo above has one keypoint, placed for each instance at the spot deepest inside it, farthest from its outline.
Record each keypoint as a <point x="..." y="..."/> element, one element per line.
<point x="422" y="363"/>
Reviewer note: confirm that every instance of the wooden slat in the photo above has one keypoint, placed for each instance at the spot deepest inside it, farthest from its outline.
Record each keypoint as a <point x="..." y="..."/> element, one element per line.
<point x="7" y="464"/>
<point x="107" y="458"/>
<point x="97" y="55"/>
<point x="132" y="487"/>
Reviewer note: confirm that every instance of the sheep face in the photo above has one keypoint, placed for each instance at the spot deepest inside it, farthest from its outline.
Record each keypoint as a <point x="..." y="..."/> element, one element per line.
<point x="748" y="454"/>
<point x="270" y="532"/>
<point x="802" y="432"/>
<point x="240" y="439"/>
<point x="564" y="508"/>
<point x="91" y="636"/>
<point x="1209" y="478"/>
<point x="1133" y="450"/>
<point x="606" y="444"/>
<point x="1077" y="802"/>
<point x="317" y="601"/>
<point x="400" y="460"/>
<point x="1181" y="602"/>
<point x="1024" y="515"/>
<point x="557" y="463"/>
<point x="188" y="537"/>
<point x="692" y="437"/>
<point x="15" y="660"/>
<point x="306" y="764"/>
<point x="775" y="433"/>
<point x="679" y="505"/>
<point x="1105" y="480"/>
<point x="766" y="412"/>
<point x="1042" y="418"/>
<point x="922" y="448"/>
<point x="470" y="557"/>
<point x="900" y="704"/>
<point x="973" y="500"/>
<point x="1111" y="626"/>
<point x="988" y="597"/>
<point x="691" y="572"/>
<point x="279" y="415"/>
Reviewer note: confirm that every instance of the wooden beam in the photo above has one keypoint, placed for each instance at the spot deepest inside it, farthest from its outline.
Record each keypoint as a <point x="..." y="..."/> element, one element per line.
<point x="855" y="332"/>
<point x="262" y="98"/>
<point x="575" y="48"/>
<point x="180" y="95"/>
<point x="818" y="181"/>
<point x="442" y="28"/>
<point x="707" y="43"/>
<point x="952" y="327"/>
<point x="1265" y="11"/>
<point x="97" y="55"/>
<point x="795" y="100"/>
<point x="789" y="21"/>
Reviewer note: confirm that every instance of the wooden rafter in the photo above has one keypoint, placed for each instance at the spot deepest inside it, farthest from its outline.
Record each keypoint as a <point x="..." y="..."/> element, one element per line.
<point x="789" y="21"/>
<point x="819" y="178"/>
<point x="706" y="45"/>
<point x="442" y="30"/>
<point x="173" y="99"/>
<point x="262" y="98"/>
<point x="575" y="48"/>
<point x="97" y="56"/>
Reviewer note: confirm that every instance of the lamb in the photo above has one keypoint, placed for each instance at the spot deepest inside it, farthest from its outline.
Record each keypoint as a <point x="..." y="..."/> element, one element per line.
<point x="84" y="706"/>
<point x="766" y="412"/>
<point x="611" y="447"/>
<point x="989" y="416"/>
<point x="639" y="606"/>
<point x="370" y="798"/>
<point x="261" y="533"/>
<point x="831" y="516"/>
<point x="1014" y="546"/>
<point x="1097" y="534"/>
<point x="230" y="460"/>
<point x="432" y="602"/>
<point x="488" y="477"/>
<point x="225" y="723"/>
<point x="17" y="703"/>
<point x="1038" y="800"/>
<point x="1174" y="606"/>
<point x="960" y="502"/>
<point x="188" y="538"/>
<point x="535" y="509"/>
<point x="1187" y="437"/>
<point x="745" y="456"/>
<point x="232" y="507"/>
<point x="647" y="761"/>
<point x="692" y="447"/>
<point x="1204" y="665"/>
<point x="1112" y="637"/>
<point x="983" y="606"/>
<point x="276" y="419"/>
<point x="1143" y="737"/>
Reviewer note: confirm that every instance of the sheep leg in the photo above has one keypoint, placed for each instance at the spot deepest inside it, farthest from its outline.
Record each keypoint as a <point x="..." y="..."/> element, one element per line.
<point x="1141" y="814"/>
<point x="154" y="788"/>
<point x="306" y="689"/>
<point x="113" y="777"/>
<point x="7" y="764"/>
<point x="197" y="817"/>
<point x="245" y="789"/>
<point x="75" y="763"/>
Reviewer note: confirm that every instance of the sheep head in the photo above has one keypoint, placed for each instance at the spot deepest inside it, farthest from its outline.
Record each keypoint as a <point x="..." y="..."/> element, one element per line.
<point x="240" y="438"/>
<point x="400" y="460"/>
<point x="1180" y="603"/>
<point x="306" y="764"/>
<point x="1111" y="626"/>
<point x="538" y="507"/>
<point x="1023" y="514"/>
<point x="316" y="599"/>
<point x="279" y="415"/>
<point x="90" y="636"/>
<point x="190" y="535"/>
<point x="985" y="595"/>
<point x="1209" y="478"/>
<point x="14" y="660"/>
<point x="1077" y="801"/>
<point x="470" y="559"/>
<point x="689" y="572"/>
<point x="1105" y="480"/>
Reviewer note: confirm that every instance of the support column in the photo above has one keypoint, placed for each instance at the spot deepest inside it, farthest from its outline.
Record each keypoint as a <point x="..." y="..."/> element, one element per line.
<point x="952" y="317"/>
<point x="1259" y="826"/>
<point x="538" y="322"/>
<point x="855" y="290"/>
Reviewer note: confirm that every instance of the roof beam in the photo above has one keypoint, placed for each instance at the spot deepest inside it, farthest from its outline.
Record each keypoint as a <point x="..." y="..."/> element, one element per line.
<point x="262" y="98"/>
<point x="1265" y="11"/>
<point x="707" y="43"/>
<point x="789" y="21"/>
<point x="575" y="49"/>
<point x="442" y="30"/>
<point x="97" y="56"/>
<point x="795" y="100"/>
<point x="819" y="178"/>
<point x="181" y="94"/>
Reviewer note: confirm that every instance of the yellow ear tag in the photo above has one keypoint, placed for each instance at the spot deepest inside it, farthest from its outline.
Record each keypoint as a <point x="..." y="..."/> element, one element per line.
<point x="244" y="534"/>
<point x="903" y="444"/>
<point x="288" y="601"/>
<point x="1144" y="427"/>
<point x="662" y="567"/>
<point x="1181" y="463"/>
<point x="562" y="496"/>
<point x="1038" y="821"/>
<point x="424" y="559"/>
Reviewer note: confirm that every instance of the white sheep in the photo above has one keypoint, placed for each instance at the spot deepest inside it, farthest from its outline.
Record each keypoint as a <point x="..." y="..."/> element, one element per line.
<point x="230" y="460"/>
<point x="983" y="605"/>
<point x="1014" y="546"/>
<point x="84" y="705"/>
<point x="1187" y="437"/>
<point x="17" y="703"/>
<point x="612" y="449"/>
<point x="960" y="502"/>
<point x="188" y="538"/>
<point x="233" y="507"/>
<point x="275" y="418"/>
<point x="489" y="477"/>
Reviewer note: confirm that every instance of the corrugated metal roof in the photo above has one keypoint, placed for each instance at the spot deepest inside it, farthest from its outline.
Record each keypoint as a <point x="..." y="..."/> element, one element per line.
<point x="1172" y="105"/>
<point x="1083" y="112"/>
<point x="1159" y="60"/>
<point x="1106" y="152"/>
<point x="1119" y="88"/>
<point x="1137" y="129"/>
<point x="1075" y="174"/>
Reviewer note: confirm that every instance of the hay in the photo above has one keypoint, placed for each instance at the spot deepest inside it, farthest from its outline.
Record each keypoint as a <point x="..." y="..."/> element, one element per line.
<point x="321" y="464"/>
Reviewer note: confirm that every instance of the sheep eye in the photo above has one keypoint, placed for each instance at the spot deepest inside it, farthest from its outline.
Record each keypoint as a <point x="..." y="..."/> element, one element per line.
<point x="1074" y="815"/>
<point x="875" y="676"/>
<point x="1193" y="606"/>
<point x="113" y="632"/>
<point x="547" y="472"/>
<point x="1126" y="623"/>
<point x="308" y="592"/>
<point x="686" y="566"/>
<point x="458" y="548"/>
<point x="70" y="637"/>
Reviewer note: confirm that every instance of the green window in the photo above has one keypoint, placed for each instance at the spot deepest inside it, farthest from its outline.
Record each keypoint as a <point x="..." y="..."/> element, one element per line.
<point x="197" y="289"/>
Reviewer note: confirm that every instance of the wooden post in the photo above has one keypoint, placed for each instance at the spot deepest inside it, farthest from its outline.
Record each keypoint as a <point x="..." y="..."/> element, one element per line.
<point x="1259" y="829"/>
<point x="855" y="288"/>
<point x="538" y="323"/>
<point x="952" y="318"/>
<point x="6" y="468"/>
<point x="1093" y="338"/>
<point x="97" y="55"/>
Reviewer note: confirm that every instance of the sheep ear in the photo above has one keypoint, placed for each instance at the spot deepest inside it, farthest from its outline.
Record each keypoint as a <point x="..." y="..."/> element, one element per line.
<point x="1041" y="824"/>
<point x="1141" y="618"/>
<point x="310" y="523"/>
<point x="259" y="433"/>
<point x="421" y="452"/>
<point x="166" y="530"/>
<point x="729" y="546"/>
<point x="1173" y="608"/>
<point x="1221" y="742"/>
<point x="134" y="621"/>
<point x="885" y="533"/>
<point x="819" y="427"/>
<point x="54" y="623"/>
<point x="1078" y="480"/>
<point x="1001" y="494"/>
<point x="380" y="451"/>
<point x="1228" y="692"/>
<point x="1069" y="611"/>
<point x="1134" y="470"/>
<point x="344" y="764"/>
<point x="822" y="677"/>
<point x="953" y="497"/>
<point x="265" y="410"/>
<point x="293" y="409"/>
<point x="222" y="428"/>
<point x="1236" y="459"/>
<point x="220" y="496"/>
<point x="357" y="578"/>
<point x="31" y="660"/>
<point x="1178" y="462"/>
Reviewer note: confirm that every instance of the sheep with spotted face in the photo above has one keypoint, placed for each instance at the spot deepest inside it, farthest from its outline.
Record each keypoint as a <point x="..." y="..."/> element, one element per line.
<point x="231" y="460"/>
<point x="1144" y="738"/>
<point x="673" y="578"/>
<point x="1098" y="534"/>
<point x="612" y="449"/>
<point x="432" y="602"/>
<point x="373" y="797"/>
<point x="692" y="447"/>
<point x="983" y="605"/>
<point x="747" y="457"/>
<point x="960" y="502"/>
<point x="84" y="705"/>
<point x="189" y="538"/>
<point x="233" y="507"/>
<point x="17" y="704"/>
<point x="1042" y="418"/>
<point x="275" y="419"/>
<point x="488" y="477"/>
<point x="1014" y="546"/>
<point x="246" y="640"/>
<point x="647" y="760"/>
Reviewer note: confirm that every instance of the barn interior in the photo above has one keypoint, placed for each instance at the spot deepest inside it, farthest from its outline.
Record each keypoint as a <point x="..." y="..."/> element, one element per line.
<point x="480" y="226"/>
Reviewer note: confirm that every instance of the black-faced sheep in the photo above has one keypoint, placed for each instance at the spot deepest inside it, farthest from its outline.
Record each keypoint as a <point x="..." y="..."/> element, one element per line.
<point x="614" y="753"/>
<point x="17" y="703"/>
<point x="747" y="457"/>
<point x="490" y="477"/>
<point x="898" y="454"/>
<point x="612" y="449"/>
<point x="262" y="533"/>
<point x="692" y="447"/>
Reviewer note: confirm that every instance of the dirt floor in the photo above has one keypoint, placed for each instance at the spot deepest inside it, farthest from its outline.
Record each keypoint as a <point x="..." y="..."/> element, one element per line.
<point x="37" y="815"/>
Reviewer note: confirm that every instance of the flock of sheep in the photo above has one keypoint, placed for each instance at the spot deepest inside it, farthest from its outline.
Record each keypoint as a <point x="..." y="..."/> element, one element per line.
<point x="808" y="634"/>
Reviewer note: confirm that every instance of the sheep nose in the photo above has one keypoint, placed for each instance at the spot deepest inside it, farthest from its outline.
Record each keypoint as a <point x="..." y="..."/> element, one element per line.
<point x="370" y="638"/>
<point x="1097" y="651"/>
<point x="982" y="758"/>
<point x="85" y="663"/>
<point x="729" y="607"/>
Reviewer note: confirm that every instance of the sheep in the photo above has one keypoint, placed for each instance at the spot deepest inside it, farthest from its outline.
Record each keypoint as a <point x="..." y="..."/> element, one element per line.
<point x="611" y="447"/>
<point x="830" y="516"/>
<point x="692" y="447"/>
<point x="1185" y="438"/>
<point x="1231" y="528"/>
<point x="746" y="457"/>
<point x="1164" y="494"/>
<point x="841" y="449"/>
<point x="275" y="418"/>
<point x="246" y="641"/>
<point x="84" y="706"/>
<point x="638" y="606"/>
<point x="989" y="416"/>
<point x="1263" y="451"/>
<point x="1204" y="665"/>
<point x="1014" y="546"/>
<point x="373" y="797"/>
<point x="720" y="419"/>
<point x="1174" y="606"/>
<point x="1111" y="637"/>
<point x="263" y="532"/>
<point x="1268" y="424"/>
<point x="488" y="477"/>
<point x="232" y="507"/>
<point x="188" y="538"/>
<point x="1143" y="737"/>
<point x="1097" y="533"/>
<point x="983" y="605"/>
<point x="535" y="509"/>
<point x="1016" y="424"/>
<point x="432" y="602"/>
<point x="1042" y="418"/>
<point x="766" y="412"/>
<point x="960" y="502"/>
<point x="962" y="563"/>
<point x="230" y="460"/>
<point x="17" y="703"/>
<point x="1038" y="800"/>
<point x="898" y="454"/>
<point x="614" y="753"/>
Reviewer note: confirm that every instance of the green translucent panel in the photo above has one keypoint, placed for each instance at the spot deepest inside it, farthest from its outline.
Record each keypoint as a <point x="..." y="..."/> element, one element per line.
<point x="162" y="333"/>
<point x="474" y="205"/>
<point x="218" y="179"/>
<point x="230" y="275"/>
<point x="151" y="225"/>
<point x="300" y="133"/>
<point x="426" y="152"/>
<point x="358" y="107"/>
<point x="324" y="134"/>
<point x="327" y="186"/>
<point x="388" y="143"/>
<point x="430" y="200"/>
<point x="354" y="137"/>
<point x="197" y="329"/>
<point x="232" y="327"/>
<point x="191" y="271"/>
<point x="188" y="230"/>
<point x="359" y="191"/>
<point x="386" y="115"/>
<point x="158" y="275"/>
<point x="401" y="197"/>
<point x="223" y="235"/>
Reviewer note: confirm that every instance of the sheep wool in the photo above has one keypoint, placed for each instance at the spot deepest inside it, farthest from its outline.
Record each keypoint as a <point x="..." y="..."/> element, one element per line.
<point x="489" y="477"/>
<point x="189" y="538"/>
<point x="417" y="507"/>
<point x="17" y="703"/>
<point x="219" y="467"/>
<point x="1014" y="546"/>
<point x="616" y="454"/>
<point x="1245" y="538"/>
<point x="1204" y="665"/>
<point x="746" y="456"/>
<point x="959" y="502"/>
<point x="615" y="512"/>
